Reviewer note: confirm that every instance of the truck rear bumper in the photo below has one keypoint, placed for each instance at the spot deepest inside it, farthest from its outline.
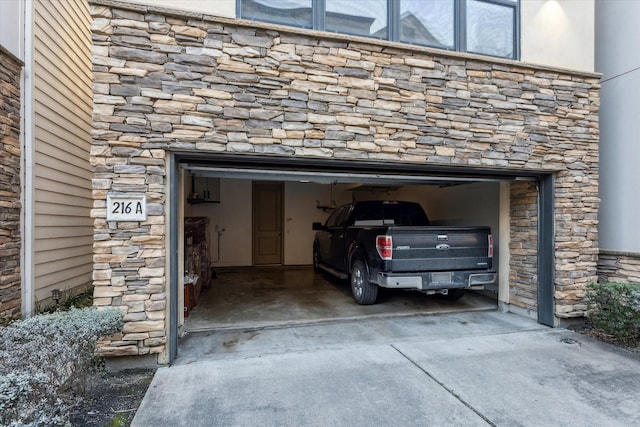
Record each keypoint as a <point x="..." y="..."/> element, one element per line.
<point x="435" y="280"/>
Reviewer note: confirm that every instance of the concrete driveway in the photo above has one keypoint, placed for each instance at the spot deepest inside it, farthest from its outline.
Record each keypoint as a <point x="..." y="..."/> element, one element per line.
<point x="482" y="368"/>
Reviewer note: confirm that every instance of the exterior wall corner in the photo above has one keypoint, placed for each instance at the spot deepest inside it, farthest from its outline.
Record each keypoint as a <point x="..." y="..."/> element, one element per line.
<point x="10" y="186"/>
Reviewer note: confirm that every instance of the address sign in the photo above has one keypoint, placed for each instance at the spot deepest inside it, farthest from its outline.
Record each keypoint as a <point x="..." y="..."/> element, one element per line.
<point x="126" y="207"/>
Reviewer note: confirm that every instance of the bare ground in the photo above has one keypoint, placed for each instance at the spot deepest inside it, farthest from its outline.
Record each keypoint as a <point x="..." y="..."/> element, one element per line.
<point x="112" y="398"/>
<point x="632" y="345"/>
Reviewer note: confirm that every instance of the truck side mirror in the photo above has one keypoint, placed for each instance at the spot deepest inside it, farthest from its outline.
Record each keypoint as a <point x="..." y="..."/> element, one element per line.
<point x="317" y="226"/>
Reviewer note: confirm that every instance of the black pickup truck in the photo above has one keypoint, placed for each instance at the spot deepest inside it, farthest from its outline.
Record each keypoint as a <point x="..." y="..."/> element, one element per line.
<point x="392" y="245"/>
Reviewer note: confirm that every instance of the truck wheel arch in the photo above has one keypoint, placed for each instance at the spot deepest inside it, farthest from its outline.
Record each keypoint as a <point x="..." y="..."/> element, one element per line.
<point x="356" y="252"/>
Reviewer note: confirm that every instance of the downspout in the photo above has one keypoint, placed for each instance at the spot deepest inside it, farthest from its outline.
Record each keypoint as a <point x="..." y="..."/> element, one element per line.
<point x="27" y="252"/>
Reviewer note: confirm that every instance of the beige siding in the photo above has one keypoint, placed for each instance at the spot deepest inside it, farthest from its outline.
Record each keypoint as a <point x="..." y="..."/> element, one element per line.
<point x="62" y="124"/>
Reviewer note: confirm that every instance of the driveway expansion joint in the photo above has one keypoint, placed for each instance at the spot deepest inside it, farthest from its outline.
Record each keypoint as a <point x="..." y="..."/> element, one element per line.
<point x="448" y="389"/>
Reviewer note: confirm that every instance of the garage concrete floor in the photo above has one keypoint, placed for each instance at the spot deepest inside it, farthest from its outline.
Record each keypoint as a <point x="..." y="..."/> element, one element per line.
<point x="260" y="297"/>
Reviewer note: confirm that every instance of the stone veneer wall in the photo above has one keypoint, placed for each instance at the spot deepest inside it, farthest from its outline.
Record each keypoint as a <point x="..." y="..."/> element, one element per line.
<point x="10" y="193"/>
<point x="193" y="83"/>
<point x="523" y="247"/>
<point x="619" y="267"/>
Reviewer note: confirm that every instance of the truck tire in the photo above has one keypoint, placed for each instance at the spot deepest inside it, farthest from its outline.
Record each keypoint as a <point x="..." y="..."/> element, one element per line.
<point x="364" y="292"/>
<point x="454" y="294"/>
<point x="316" y="259"/>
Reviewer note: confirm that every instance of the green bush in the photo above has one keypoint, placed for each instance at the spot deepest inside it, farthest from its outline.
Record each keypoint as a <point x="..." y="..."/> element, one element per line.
<point x="28" y="399"/>
<point x="614" y="308"/>
<point x="46" y="360"/>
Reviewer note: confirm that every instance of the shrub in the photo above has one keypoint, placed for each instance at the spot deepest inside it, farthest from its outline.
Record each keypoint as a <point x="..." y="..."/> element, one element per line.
<point x="27" y="398"/>
<point x="614" y="308"/>
<point x="46" y="359"/>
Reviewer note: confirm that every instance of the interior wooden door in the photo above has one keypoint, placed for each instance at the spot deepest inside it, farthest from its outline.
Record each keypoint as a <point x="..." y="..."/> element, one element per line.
<point x="267" y="223"/>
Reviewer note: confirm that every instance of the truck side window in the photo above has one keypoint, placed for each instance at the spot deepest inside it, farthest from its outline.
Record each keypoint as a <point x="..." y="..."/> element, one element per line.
<point x="343" y="216"/>
<point x="333" y="218"/>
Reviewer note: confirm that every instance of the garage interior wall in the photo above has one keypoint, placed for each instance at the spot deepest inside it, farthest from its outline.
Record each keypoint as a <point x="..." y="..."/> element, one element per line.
<point x="467" y="205"/>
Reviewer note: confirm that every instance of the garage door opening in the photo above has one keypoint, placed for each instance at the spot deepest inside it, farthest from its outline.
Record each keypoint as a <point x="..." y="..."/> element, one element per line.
<point x="245" y="293"/>
<point x="525" y="220"/>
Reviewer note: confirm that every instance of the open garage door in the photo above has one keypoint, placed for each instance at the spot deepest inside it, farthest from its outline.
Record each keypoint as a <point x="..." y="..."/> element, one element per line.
<point x="243" y="295"/>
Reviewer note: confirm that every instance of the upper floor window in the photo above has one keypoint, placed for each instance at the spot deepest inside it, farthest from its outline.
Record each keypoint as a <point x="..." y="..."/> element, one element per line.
<point x="297" y="13"/>
<point x="487" y="27"/>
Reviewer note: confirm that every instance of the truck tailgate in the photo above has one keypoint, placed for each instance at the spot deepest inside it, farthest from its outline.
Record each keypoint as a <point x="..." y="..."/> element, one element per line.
<point x="439" y="248"/>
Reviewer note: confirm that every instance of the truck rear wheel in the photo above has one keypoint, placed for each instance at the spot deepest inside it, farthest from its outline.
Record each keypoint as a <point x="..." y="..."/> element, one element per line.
<point x="316" y="259"/>
<point x="364" y="292"/>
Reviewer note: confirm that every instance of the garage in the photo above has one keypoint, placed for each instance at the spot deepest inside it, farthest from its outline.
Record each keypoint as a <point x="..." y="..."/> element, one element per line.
<point x="253" y="285"/>
<point x="218" y="110"/>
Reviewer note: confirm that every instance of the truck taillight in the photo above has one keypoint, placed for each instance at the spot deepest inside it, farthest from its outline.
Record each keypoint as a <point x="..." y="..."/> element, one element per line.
<point x="384" y="246"/>
<point x="490" y="238"/>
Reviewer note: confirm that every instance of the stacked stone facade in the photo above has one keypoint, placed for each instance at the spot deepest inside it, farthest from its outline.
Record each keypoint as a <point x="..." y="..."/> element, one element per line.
<point x="190" y="83"/>
<point x="523" y="249"/>
<point x="10" y="205"/>
<point x="616" y="266"/>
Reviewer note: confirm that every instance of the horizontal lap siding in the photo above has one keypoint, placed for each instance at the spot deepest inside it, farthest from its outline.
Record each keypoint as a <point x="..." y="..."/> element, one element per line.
<point x="62" y="118"/>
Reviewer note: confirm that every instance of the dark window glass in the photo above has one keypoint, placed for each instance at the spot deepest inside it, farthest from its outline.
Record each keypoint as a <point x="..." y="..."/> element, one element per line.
<point x="490" y="29"/>
<point x="361" y="18"/>
<point x="487" y="27"/>
<point x="377" y="213"/>
<point x="333" y="218"/>
<point x="344" y="215"/>
<point x="404" y="214"/>
<point x="369" y="213"/>
<point x="296" y="13"/>
<point x="428" y="22"/>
